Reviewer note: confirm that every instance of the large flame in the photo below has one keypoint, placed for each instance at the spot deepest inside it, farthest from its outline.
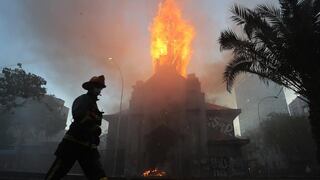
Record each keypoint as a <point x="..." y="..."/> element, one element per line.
<point x="171" y="38"/>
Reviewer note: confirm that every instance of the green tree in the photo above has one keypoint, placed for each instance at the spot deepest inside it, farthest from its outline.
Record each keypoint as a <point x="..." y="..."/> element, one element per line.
<point x="291" y="135"/>
<point x="279" y="44"/>
<point x="289" y="139"/>
<point x="17" y="84"/>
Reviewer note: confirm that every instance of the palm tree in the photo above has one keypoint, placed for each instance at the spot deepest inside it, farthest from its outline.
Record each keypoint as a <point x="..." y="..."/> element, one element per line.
<point x="281" y="44"/>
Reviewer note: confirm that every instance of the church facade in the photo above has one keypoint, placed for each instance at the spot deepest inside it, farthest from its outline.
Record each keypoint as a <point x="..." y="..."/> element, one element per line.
<point x="169" y="127"/>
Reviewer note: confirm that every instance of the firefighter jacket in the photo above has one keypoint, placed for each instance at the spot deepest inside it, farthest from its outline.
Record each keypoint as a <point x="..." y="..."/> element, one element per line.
<point x="85" y="129"/>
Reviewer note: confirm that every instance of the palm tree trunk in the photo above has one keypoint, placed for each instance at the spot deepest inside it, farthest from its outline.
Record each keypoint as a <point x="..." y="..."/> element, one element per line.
<point x="314" y="117"/>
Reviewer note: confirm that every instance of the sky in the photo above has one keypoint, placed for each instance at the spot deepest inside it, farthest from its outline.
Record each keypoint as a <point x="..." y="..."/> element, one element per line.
<point x="68" y="42"/>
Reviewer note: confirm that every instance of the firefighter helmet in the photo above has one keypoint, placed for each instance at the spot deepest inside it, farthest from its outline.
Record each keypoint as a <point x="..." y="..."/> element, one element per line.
<point x="95" y="81"/>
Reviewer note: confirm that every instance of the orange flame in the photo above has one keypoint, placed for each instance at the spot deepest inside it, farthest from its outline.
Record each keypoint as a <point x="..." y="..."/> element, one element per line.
<point x="154" y="172"/>
<point x="171" y="38"/>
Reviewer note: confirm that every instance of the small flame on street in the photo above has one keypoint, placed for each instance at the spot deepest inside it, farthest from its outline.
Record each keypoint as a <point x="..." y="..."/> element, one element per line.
<point x="154" y="172"/>
<point x="171" y="38"/>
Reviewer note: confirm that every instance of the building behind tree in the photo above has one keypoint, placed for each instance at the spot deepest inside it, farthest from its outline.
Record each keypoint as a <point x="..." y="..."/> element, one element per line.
<point x="256" y="99"/>
<point x="299" y="107"/>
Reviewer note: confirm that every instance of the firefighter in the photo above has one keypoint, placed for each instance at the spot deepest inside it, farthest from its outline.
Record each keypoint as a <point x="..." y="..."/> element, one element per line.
<point x="81" y="140"/>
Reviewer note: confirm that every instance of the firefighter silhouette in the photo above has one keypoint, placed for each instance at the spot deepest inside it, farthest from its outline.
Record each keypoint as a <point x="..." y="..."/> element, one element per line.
<point x="81" y="140"/>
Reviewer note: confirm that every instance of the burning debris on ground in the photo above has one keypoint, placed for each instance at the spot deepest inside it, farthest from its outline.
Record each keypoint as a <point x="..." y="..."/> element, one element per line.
<point x="154" y="173"/>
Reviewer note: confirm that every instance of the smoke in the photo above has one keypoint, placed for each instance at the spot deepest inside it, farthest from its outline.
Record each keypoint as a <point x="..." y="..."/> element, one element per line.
<point x="70" y="42"/>
<point x="210" y="18"/>
<point x="208" y="63"/>
<point x="73" y="39"/>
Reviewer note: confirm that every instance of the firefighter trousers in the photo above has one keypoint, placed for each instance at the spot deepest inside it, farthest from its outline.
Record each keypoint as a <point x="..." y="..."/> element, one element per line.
<point x="68" y="153"/>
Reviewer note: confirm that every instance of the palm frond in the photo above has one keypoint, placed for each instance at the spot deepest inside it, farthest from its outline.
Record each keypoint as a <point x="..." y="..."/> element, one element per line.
<point x="274" y="47"/>
<point x="239" y="64"/>
<point x="317" y="23"/>
<point x="316" y="6"/>
<point x="272" y="15"/>
<point x="229" y="40"/>
<point x="269" y="11"/>
<point x="287" y="7"/>
<point x="305" y="3"/>
<point x="240" y="14"/>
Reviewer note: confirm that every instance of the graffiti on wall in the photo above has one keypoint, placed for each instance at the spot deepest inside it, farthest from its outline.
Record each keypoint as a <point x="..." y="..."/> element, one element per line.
<point x="217" y="123"/>
<point x="219" y="166"/>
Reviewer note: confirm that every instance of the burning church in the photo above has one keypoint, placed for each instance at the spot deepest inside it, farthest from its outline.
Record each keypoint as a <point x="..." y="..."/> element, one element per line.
<point x="169" y="129"/>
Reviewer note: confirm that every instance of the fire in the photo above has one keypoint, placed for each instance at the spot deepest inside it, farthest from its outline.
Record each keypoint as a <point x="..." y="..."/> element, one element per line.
<point x="171" y="38"/>
<point x="154" y="172"/>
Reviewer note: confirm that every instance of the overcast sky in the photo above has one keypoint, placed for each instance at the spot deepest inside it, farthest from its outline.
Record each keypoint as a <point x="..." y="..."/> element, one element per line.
<point x="67" y="42"/>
